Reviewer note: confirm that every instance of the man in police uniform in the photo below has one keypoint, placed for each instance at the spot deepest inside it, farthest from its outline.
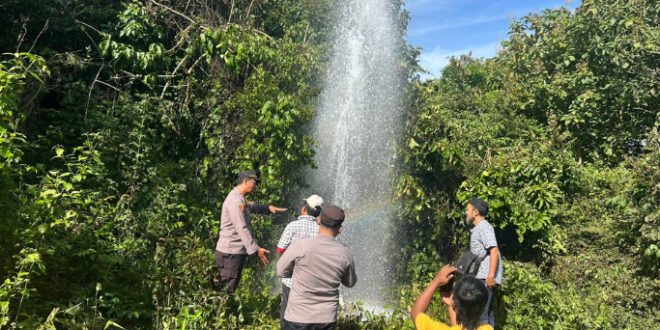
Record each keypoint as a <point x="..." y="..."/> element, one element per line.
<point x="318" y="265"/>
<point x="236" y="241"/>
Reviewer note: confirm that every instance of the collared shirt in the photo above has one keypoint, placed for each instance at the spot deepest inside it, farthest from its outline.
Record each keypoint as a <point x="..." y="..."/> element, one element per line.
<point x="318" y="265"/>
<point x="305" y="226"/>
<point x="481" y="240"/>
<point x="235" y="235"/>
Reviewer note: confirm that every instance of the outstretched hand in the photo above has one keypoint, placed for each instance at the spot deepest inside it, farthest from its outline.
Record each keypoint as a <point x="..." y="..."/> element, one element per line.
<point x="275" y="209"/>
<point x="262" y="256"/>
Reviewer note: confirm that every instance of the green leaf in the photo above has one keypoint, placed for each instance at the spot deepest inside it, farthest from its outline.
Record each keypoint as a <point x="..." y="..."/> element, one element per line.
<point x="42" y="228"/>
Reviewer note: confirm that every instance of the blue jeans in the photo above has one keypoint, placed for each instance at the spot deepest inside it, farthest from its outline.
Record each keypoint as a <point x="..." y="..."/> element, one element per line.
<point x="488" y="316"/>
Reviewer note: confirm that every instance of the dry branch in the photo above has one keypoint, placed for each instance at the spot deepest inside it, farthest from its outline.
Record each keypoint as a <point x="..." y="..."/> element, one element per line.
<point x="39" y="35"/>
<point x="174" y="11"/>
<point x="167" y="85"/>
<point x="196" y="62"/>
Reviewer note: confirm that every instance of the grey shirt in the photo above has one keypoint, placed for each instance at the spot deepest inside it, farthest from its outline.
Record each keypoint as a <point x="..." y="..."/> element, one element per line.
<point x="318" y="266"/>
<point x="235" y="226"/>
<point x="481" y="240"/>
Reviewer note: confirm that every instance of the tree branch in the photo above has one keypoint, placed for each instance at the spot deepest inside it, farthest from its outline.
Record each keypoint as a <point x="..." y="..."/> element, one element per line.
<point x="91" y="88"/>
<point x="174" y="11"/>
<point x="39" y="35"/>
<point x="231" y="12"/>
<point x="196" y="62"/>
<point x="105" y="83"/>
<point x="264" y="34"/>
<point x="247" y="15"/>
<point x="91" y="39"/>
<point x="180" y="40"/>
<point x="167" y="85"/>
<point x="305" y="38"/>
<point x="89" y="26"/>
<point x="21" y="37"/>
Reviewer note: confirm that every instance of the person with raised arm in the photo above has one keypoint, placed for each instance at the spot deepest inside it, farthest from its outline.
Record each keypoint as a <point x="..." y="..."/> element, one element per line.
<point x="235" y="241"/>
<point x="466" y="303"/>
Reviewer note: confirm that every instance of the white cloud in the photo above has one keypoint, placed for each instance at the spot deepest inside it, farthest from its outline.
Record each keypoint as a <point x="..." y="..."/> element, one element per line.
<point x="435" y="60"/>
<point x="471" y="21"/>
<point x="475" y="16"/>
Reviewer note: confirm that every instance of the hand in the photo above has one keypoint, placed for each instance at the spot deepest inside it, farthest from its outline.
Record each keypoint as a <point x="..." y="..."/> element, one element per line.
<point x="274" y="209"/>
<point x="445" y="274"/>
<point x="447" y="298"/>
<point x="491" y="282"/>
<point x="262" y="256"/>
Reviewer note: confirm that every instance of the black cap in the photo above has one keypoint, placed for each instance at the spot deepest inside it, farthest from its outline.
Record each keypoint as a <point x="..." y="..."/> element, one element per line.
<point x="248" y="175"/>
<point x="480" y="205"/>
<point x="332" y="216"/>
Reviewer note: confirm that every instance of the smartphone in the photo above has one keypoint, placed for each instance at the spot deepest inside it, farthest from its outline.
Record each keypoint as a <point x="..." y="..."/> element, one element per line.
<point x="449" y="286"/>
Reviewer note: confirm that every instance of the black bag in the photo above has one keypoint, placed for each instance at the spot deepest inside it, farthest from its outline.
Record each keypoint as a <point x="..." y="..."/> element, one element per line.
<point x="468" y="264"/>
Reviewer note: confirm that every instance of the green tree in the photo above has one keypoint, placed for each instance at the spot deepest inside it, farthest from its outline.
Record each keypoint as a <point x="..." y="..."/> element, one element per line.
<point x="593" y="71"/>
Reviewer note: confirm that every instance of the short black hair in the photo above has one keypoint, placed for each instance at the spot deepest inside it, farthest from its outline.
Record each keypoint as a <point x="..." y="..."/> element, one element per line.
<point x="313" y="211"/>
<point x="470" y="298"/>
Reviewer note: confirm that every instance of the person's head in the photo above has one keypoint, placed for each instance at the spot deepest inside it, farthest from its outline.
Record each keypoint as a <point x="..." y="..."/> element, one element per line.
<point x="476" y="210"/>
<point x="331" y="220"/>
<point x="470" y="298"/>
<point x="247" y="182"/>
<point x="313" y="206"/>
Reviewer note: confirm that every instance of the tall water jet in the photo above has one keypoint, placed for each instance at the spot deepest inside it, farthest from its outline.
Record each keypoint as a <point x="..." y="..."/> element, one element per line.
<point x="359" y="118"/>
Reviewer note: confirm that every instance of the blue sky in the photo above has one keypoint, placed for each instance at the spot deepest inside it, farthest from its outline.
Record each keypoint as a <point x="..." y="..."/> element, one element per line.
<point x="445" y="27"/>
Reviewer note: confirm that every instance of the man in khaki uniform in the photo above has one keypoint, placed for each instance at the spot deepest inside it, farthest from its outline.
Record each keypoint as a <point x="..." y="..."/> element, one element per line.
<point x="236" y="241"/>
<point x="305" y="226"/>
<point x="318" y="265"/>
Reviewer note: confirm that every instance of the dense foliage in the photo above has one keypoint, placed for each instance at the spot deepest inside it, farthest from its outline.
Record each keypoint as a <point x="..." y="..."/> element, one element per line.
<point x="559" y="133"/>
<point x="123" y="124"/>
<point x="122" y="127"/>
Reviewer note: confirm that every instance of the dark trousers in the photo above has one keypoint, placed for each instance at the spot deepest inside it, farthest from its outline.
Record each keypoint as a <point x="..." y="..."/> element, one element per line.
<point x="230" y="270"/>
<point x="285" y="300"/>
<point x="308" y="326"/>
<point x="488" y="316"/>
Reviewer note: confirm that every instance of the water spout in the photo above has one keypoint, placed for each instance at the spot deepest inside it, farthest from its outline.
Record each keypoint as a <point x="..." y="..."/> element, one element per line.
<point x="358" y="119"/>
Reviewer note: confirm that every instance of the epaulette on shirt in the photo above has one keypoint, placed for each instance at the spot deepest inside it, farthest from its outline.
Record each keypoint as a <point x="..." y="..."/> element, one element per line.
<point x="242" y="207"/>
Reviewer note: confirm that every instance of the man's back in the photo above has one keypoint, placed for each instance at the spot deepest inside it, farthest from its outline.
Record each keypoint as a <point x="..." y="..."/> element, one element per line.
<point x="318" y="265"/>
